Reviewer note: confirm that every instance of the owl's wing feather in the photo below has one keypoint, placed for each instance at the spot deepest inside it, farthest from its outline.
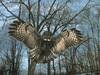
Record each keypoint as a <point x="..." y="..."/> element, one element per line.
<point x="67" y="39"/>
<point x="24" y="33"/>
<point x="28" y="35"/>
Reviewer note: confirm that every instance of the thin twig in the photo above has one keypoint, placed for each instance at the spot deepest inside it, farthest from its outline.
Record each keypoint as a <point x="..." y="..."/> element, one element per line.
<point x="47" y="14"/>
<point x="11" y="12"/>
<point x="30" y="12"/>
<point x="65" y="24"/>
<point x="20" y="8"/>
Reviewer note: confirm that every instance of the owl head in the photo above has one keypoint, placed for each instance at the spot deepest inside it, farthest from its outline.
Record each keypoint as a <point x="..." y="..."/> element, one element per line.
<point x="47" y="36"/>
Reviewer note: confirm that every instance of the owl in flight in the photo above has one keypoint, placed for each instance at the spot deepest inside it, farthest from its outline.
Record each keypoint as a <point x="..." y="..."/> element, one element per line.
<point x="45" y="47"/>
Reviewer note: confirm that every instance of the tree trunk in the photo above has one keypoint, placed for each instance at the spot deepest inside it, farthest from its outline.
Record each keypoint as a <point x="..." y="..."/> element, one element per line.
<point x="54" y="68"/>
<point x="49" y="68"/>
<point x="1" y="72"/>
<point x="31" y="67"/>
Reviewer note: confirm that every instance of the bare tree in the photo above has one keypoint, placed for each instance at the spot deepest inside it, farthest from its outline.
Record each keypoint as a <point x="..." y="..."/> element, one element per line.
<point x="11" y="59"/>
<point x="56" y="16"/>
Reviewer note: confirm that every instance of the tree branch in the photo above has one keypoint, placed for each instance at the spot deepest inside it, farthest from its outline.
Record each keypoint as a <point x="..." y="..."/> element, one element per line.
<point x="11" y="12"/>
<point x="38" y="14"/>
<point x="20" y="8"/>
<point x="47" y="14"/>
<point x="30" y="12"/>
<point x="65" y="24"/>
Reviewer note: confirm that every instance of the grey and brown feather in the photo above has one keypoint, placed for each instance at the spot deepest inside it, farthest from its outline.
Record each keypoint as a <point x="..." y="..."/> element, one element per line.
<point x="46" y="47"/>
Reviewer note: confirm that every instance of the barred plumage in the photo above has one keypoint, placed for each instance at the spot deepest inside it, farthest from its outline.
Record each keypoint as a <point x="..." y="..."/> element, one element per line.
<point x="46" y="47"/>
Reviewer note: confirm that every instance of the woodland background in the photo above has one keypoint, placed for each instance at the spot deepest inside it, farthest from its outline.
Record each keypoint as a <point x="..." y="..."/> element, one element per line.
<point x="84" y="15"/>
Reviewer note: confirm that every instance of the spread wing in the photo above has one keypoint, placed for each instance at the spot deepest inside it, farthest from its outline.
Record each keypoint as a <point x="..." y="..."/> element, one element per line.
<point x="24" y="33"/>
<point x="28" y="35"/>
<point x="67" y="39"/>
